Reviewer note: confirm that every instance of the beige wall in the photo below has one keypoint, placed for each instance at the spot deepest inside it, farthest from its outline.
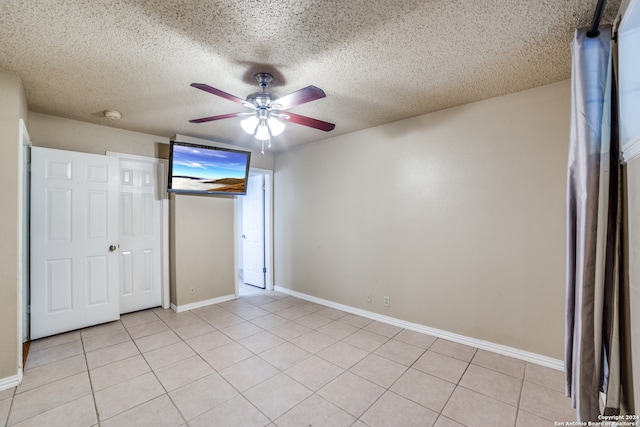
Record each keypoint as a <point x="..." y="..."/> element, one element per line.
<point x="204" y="248"/>
<point x="203" y="232"/>
<point x="457" y="216"/>
<point x="633" y="291"/>
<point x="64" y="134"/>
<point x="13" y="107"/>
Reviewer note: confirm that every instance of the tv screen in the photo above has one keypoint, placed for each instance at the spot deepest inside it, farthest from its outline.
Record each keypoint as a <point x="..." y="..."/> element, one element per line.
<point x="203" y="169"/>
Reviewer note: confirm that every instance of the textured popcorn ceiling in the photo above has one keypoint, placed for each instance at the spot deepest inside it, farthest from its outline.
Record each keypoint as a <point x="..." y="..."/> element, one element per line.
<point x="378" y="61"/>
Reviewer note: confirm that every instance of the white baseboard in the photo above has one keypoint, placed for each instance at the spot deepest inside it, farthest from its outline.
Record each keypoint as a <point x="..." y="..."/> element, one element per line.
<point x="13" y="381"/>
<point x="474" y="342"/>
<point x="204" y="303"/>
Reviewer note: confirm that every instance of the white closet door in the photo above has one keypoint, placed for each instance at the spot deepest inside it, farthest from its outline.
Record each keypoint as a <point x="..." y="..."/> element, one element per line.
<point x="74" y="232"/>
<point x="140" y="236"/>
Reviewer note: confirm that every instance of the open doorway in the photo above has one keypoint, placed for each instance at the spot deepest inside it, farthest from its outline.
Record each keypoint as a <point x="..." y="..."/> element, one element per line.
<point x="254" y="234"/>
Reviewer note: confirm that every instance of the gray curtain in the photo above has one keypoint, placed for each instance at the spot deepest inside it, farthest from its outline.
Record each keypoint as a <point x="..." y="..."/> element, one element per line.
<point x="593" y="231"/>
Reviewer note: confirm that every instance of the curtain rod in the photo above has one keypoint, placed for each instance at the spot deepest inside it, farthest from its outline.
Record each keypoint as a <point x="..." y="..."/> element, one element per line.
<point x="597" y="15"/>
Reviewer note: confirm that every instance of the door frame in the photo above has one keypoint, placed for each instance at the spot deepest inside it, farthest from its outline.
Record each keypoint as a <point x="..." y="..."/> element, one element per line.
<point x="253" y="220"/>
<point x="268" y="230"/>
<point x="161" y="186"/>
<point x="24" y="146"/>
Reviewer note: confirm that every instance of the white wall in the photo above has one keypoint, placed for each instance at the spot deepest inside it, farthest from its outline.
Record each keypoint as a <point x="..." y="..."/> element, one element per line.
<point x="458" y="216"/>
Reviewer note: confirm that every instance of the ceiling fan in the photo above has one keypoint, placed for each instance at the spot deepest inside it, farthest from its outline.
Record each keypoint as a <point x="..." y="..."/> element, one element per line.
<point x="267" y="112"/>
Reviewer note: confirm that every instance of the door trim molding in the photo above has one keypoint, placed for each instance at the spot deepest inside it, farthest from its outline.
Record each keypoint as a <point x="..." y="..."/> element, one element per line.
<point x="165" y="216"/>
<point x="24" y="188"/>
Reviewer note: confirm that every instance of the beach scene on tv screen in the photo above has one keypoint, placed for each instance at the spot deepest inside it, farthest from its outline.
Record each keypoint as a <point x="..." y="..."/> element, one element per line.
<point x="202" y="169"/>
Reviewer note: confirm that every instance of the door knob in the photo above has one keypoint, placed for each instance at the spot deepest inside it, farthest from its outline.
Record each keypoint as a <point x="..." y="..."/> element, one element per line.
<point x="112" y="248"/>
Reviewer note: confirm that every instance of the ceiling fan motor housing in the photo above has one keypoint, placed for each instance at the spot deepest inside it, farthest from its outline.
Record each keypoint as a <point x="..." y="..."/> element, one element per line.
<point x="260" y="99"/>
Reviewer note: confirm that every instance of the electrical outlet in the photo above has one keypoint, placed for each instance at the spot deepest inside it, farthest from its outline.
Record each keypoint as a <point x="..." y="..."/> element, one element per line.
<point x="385" y="301"/>
<point x="192" y="290"/>
<point x="368" y="297"/>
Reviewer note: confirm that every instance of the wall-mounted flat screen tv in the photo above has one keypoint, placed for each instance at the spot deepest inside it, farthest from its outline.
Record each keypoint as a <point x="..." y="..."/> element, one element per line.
<point x="203" y="169"/>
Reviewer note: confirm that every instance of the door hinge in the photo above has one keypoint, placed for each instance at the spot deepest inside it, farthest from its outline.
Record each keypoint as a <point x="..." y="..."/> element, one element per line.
<point x="264" y="269"/>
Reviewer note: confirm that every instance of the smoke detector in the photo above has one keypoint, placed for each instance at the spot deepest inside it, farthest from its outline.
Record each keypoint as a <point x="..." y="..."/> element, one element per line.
<point x="112" y="114"/>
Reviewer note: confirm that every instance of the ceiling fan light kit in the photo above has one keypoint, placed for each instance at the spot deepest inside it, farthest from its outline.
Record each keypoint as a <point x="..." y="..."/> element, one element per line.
<point x="267" y="118"/>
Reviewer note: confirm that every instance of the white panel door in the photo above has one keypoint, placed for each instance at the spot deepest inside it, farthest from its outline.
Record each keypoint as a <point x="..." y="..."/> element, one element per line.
<point x="140" y="236"/>
<point x="74" y="232"/>
<point x="253" y="261"/>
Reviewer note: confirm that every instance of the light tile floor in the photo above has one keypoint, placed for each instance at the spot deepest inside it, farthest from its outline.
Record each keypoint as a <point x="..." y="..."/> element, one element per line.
<point x="268" y="359"/>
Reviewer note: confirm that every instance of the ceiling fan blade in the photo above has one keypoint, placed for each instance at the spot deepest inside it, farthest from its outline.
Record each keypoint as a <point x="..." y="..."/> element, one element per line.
<point x="308" y="121"/>
<point x="222" y="94"/>
<point x="307" y="94"/>
<point x="220" y="117"/>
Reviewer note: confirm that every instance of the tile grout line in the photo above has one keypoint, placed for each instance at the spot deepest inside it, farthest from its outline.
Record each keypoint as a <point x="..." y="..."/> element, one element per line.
<point x="313" y="393"/>
<point x="13" y="395"/>
<point x="215" y="371"/>
<point x="515" y="423"/>
<point x="439" y="413"/>
<point x="140" y="353"/>
<point x="358" y="328"/>
<point x="93" y="394"/>
<point x="100" y="421"/>
<point x="166" y="392"/>
<point x="457" y="384"/>
<point x="15" y="392"/>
